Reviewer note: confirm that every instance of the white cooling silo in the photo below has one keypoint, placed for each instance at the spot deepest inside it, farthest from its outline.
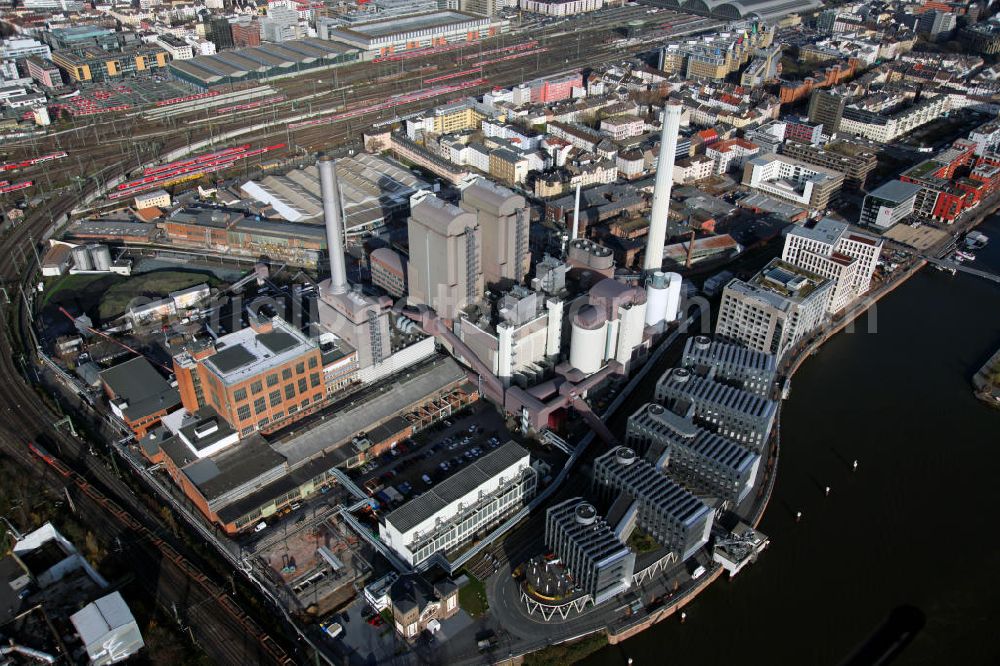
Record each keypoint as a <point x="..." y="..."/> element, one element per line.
<point x="100" y="256"/>
<point x="588" y="340"/>
<point x="81" y="258"/>
<point x="553" y="336"/>
<point x="673" y="297"/>
<point x="632" y="322"/>
<point x="657" y="298"/>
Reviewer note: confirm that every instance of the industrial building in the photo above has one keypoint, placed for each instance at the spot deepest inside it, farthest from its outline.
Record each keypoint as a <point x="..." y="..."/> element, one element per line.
<point x="590" y="548"/>
<point x="138" y="394"/>
<point x="706" y="462"/>
<point x="608" y="326"/>
<point x="262" y="63"/>
<point x="504" y="220"/>
<point x="775" y="309"/>
<point x="830" y="249"/>
<point x="396" y="34"/>
<point x="445" y="270"/>
<point x="739" y="415"/>
<point x="525" y="338"/>
<point x="373" y="189"/>
<point x="255" y="378"/>
<point x="888" y="204"/>
<point x="454" y="511"/>
<point x="675" y="518"/>
<point x="388" y="271"/>
<point x="792" y="180"/>
<point x="748" y="369"/>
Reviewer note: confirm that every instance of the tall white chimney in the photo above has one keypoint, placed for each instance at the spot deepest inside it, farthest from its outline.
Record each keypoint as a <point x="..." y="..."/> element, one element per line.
<point x="334" y="224"/>
<point x="661" y="192"/>
<point x="576" y="214"/>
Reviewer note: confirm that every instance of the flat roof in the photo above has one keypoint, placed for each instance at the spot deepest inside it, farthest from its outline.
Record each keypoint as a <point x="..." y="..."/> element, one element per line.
<point x="244" y="353"/>
<point x="236" y="466"/>
<point x="141" y="386"/>
<point x="456" y="486"/>
<point x="403" y="24"/>
<point x="410" y="387"/>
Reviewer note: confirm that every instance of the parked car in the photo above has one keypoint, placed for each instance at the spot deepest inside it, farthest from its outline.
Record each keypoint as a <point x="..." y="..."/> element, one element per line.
<point x="261" y="526"/>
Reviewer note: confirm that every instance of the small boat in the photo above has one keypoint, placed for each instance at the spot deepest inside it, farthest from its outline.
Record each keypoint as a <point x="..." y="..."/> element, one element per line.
<point x="967" y="256"/>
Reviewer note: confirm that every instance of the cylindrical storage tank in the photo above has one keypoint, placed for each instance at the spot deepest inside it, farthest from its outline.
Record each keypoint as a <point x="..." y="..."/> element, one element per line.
<point x="674" y="297"/>
<point x="586" y="514"/>
<point x="81" y="258"/>
<point x="553" y="336"/>
<point x="100" y="255"/>
<point x="630" y="331"/>
<point x="657" y="296"/>
<point x="587" y="340"/>
<point x="624" y="456"/>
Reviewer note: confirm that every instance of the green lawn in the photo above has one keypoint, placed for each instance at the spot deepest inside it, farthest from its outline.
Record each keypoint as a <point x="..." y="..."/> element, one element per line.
<point x="565" y="654"/>
<point x="472" y="597"/>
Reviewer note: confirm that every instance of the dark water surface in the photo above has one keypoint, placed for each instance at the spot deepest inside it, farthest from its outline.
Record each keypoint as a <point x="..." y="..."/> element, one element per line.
<point x="916" y="526"/>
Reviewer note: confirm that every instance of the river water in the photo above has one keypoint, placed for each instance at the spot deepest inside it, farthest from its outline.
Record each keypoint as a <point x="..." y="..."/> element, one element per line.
<point x="913" y="527"/>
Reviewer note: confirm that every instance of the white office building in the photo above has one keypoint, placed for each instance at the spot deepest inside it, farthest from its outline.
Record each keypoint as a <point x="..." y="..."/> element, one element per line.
<point x="474" y="499"/>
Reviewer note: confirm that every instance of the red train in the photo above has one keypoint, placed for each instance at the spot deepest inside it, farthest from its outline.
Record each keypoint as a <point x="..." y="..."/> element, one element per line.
<point x="11" y="166"/>
<point x="24" y="184"/>
<point x="504" y="49"/>
<point x="188" y="98"/>
<point x="199" y="166"/>
<point x="170" y="166"/>
<point x="455" y="75"/>
<point x="251" y="105"/>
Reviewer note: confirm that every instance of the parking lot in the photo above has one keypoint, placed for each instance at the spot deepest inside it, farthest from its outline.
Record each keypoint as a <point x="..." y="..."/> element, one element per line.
<point x="421" y="462"/>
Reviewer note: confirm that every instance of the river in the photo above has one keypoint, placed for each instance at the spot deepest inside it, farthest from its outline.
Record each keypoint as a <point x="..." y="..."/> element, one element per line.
<point x="911" y="528"/>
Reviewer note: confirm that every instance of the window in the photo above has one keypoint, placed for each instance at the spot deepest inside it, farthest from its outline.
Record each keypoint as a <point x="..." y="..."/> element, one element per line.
<point x="259" y="405"/>
<point x="300" y="368"/>
<point x="289" y="392"/>
<point x="275" y="398"/>
<point x="246" y="431"/>
<point x="263" y="422"/>
<point x="286" y="373"/>
<point x="279" y="416"/>
<point x="243" y="413"/>
<point x="240" y="394"/>
<point x="256" y="387"/>
<point x="313" y="362"/>
<point x="305" y="403"/>
<point x="272" y="380"/>
<point x="302" y="385"/>
<point x="293" y="409"/>
<point x="314" y="379"/>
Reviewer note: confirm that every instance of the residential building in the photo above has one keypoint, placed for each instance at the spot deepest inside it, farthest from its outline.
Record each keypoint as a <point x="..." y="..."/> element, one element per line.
<point x="138" y="394"/>
<point x="266" y="374"/>
<point x="43" y="71"/>
<point x="470" y="502"/>
<point x="623" y="127"/>
<point x="744" y="417"/>
<point x="748" y="369"/>
<point x="153" y="199"/>
<point x="731" y="154"/>
<point x="774" y="310"/>
<point x="674" y="517"/>
<point x="445" y="268"/>
<point x="703" y="461"/>
<point x="792" y="180"/>
<point x="177" y="48"/>
<point x="504" y="220"/>
<point x="885" y="125"/>
<point x="826" y="107"/>
<point x="244" y="35"/>
<point x="18" y="48"/>
<point x="853" y="160"/>
<point x="937" y="25"/>
<point x="690" y="169"/>
<point x="832" y="250"/>
<point x="561" y="7"/>
<point x="508" y="166"/>
<point x="600" y="563"/>
<point x="888" y="204"/>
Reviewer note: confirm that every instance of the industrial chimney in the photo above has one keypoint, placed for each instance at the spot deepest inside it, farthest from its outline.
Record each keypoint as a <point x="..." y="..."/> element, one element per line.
<point x="334" y="224"/>
<point x="576" y="214"/>
<point x="661" y="192"/>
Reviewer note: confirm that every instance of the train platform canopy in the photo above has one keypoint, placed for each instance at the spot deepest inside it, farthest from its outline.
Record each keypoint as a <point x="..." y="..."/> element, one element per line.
<point x="262" y="62"/>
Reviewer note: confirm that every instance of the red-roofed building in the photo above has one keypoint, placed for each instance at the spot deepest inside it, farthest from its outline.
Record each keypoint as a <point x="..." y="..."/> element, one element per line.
<point x="730" y="154"/>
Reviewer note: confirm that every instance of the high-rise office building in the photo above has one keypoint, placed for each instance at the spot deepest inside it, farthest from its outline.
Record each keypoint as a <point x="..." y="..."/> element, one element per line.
<point x="703" y="461"/>
<point x="601" y="565"/>
<point x="775" y="309"/>
<point x="745" y="368"/>
<point x="741" y="416"/>
<point x="827" y="107"/>
<point x="667" y="512"/>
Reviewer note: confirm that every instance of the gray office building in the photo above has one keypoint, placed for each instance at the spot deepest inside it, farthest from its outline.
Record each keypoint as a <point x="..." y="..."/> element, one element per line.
<point x="670" y="514"/>
<point x="703" y="461"/>
<point x="743" y="417"/>
<point x="749" y="369"/>
<point x="601" y="564"/>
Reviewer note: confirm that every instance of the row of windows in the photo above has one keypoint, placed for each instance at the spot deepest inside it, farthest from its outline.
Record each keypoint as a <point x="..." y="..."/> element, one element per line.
<point x="256" y="387"/>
